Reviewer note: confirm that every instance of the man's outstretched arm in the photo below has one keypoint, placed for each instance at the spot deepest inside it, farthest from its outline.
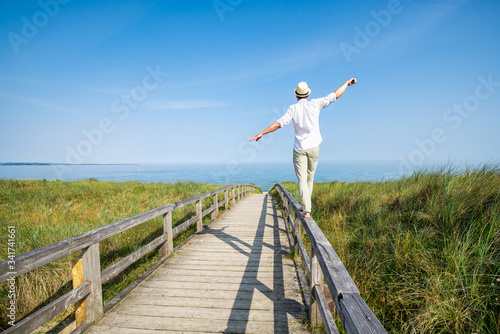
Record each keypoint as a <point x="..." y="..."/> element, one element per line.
<point x="342" y="88"/>
<point x="273" y="127"/>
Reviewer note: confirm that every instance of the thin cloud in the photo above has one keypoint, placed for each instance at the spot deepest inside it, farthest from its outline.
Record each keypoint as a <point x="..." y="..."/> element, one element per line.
<point x="415" y="31"/>
<point x="37" y="102"/>
<point x="161" y="104"/>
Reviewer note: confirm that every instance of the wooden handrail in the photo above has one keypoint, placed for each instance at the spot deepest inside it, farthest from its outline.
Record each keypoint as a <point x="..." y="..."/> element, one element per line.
<point x="354" y="313"/>
<point x="88" y="243"/>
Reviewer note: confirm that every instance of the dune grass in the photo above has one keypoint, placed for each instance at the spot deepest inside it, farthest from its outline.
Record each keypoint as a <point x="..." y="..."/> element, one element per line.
<point x="45" y="212"/>
<point x="424" y="251"/>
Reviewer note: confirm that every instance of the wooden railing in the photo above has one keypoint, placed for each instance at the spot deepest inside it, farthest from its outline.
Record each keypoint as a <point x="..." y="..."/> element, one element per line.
<point x="87" y="296"/>
<point x="325" y="264"/>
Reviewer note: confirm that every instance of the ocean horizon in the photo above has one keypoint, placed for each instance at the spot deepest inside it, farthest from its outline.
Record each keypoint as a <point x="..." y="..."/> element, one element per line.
<point x="264" y="175"/>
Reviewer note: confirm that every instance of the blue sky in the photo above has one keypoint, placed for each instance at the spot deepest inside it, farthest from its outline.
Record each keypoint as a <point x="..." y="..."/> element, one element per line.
<point x="192" y="81"/>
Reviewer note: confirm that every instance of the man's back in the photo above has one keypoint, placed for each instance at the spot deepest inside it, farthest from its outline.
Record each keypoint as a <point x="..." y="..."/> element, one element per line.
<point x="305" y="117"/>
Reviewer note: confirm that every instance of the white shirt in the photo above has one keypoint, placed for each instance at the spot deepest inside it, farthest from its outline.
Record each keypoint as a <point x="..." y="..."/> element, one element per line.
<point x="305" y="116"/>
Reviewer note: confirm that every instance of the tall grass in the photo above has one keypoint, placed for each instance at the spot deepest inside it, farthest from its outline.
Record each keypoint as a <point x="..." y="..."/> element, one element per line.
<point x="46" y="212"/>
<point x="424" y="250"/>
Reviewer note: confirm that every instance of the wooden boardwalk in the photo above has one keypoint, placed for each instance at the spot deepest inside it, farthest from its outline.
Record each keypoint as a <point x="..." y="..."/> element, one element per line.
<point x="232" y="278"/>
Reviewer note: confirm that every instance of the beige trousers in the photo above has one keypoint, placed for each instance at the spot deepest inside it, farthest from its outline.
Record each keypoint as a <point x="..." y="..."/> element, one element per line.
<point x="305" y="163"/>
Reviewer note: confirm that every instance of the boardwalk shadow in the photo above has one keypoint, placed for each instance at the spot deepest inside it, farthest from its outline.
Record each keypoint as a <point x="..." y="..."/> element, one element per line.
<point x="282" y="307"/>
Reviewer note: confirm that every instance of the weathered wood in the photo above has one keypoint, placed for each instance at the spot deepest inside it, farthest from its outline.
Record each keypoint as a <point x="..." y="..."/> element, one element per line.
<point x="168" y="246"/>
<point x="77" y="275"/>
<point x="86" y="272"/>
<point x="316" y="279"/>
<point x="297" y="234"/>
<point x="92" y="274"/>
<point x="185" y="225"/>
<point x="36" y="258"/>
<point x="207" y="211"/>
<point x="35" y="320"/>
<point x="119" y="297"/>
<point x="336" y="275"/>
<point x="83" y="327"/>
<point x="116" y="268"/>
<point x="233" y="277"/>
<point x="356" y="316"/>
<point x="305" y="257"/>
<point x="226" y="201"/>
<point x="199" y="214"/>
<point x="328" y="321"/>
<point x="215" y="213"/>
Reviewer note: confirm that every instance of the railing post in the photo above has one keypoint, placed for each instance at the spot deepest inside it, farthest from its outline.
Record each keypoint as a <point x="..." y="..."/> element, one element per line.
<point x="199" y="224"/>
<point x="92" y="273"/>
<point x="298" y="234"/>
<point x="215" y="213"/>
<point x="285" y="212"/>
<point x="316" y="283"/>
<point x="231" y="195"/>
<point x="226" y="205"/>
<point x="168" y="246"/>
<point x="77" y="274"/>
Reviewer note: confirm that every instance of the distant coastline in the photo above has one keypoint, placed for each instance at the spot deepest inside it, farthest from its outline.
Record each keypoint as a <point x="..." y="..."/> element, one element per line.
<point x="56" y="164"/>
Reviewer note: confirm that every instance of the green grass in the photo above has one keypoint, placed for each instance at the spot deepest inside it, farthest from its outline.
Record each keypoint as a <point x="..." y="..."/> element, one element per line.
<point x="424" y="251"/>
<point x="46" y="212"/>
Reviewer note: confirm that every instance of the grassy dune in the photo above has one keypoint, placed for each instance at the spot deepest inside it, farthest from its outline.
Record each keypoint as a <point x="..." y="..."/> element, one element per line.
<point x="424" y="250"/>
<point x="46" y="212"/>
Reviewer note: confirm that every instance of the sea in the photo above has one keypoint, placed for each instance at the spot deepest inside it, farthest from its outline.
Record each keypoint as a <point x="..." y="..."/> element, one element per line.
<point x="264" y="175"/>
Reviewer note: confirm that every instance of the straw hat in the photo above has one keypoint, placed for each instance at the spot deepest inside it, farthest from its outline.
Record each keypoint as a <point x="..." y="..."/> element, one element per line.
<point x="302" y="90"/>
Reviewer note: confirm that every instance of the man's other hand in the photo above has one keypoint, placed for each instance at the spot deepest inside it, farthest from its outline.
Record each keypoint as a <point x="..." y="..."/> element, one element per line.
<point x="256" y="137"/>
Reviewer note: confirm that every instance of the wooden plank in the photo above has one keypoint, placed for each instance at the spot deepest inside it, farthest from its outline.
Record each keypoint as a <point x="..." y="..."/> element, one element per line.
<point x="168" y="246"/>
<point x="35" y="320"/>
<point x="356" y="316"/>
<point x="215" y="213"/>
<point x="297" y="231"/>
<point x="263" y="304"/>
<point x="77" y="276"/>
<point x="207" y="211"/>
<point x="83" y="327"/>
<point x="326" y="314"/>
<point x="170" y="312"/>
<point x="199" y="215"/>
<point x="116" y="268"/>
<point x="92" y="274"/>
<point x="305" y="257"/>
<point x="116" y="299"/>
<point x="226" y="200"/>
<point x="268" y="280"/>
<point x="189" y="266"/>
<point x="316" y="279"/>
<point x="290" y="325"/>
<point x="185" y="225"/>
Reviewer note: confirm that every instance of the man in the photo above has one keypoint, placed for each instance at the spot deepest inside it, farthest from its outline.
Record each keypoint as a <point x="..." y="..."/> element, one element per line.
<point x="305" y="117"/>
